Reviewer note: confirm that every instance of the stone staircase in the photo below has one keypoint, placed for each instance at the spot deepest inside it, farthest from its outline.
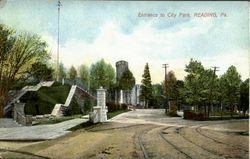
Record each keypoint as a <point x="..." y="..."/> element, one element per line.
<point x="70" y="96"/>
<point x="60" y="109"/>
<point x="22" y="92"/>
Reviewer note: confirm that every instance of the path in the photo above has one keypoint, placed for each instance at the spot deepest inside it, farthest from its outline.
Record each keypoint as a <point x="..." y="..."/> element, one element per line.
<point x="39" y="132"/>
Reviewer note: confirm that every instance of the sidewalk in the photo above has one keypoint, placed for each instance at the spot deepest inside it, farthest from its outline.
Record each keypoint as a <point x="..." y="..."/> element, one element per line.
<point x="39" y="132"/>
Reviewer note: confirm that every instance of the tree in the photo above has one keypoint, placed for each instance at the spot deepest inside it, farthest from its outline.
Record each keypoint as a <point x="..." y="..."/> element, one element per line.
<point x="84" y="75"/>
<point x="41" y="71"/>
<point x="17" y="54"/>
<point x="230" y="83"/>
<point x="170" y="83"/>
<point x="127" y="80"/>
<point x="179" y="96"/>
<point x="146" y="86"/>
<point x="157" y="96"/>
<point x="62" y="71"/>
<point x="101" y="74"/>
<point x="244" y="96"/>
<point x="193" y="83"/>
<point x="72" y="73"/>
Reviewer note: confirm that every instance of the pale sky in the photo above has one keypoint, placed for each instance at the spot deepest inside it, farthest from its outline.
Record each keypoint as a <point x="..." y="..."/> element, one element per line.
<point x="91" y="30"/>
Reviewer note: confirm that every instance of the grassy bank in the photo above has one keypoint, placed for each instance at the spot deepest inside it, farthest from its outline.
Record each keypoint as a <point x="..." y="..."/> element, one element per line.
<point x="43" y="101"/>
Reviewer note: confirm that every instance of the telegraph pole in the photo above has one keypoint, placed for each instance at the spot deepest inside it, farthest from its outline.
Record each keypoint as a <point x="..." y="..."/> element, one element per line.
<point x="211" y="89"/>
<point x="58" y="24"/>
<point x="165" y="66"/>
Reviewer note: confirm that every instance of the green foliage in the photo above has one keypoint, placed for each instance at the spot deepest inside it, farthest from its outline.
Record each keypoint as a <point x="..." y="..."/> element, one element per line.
<point x="127" y="80"/>
<point x="62" y="71"/>
<point x="193" y="83"/>
<point x="86" y="125"/>
<point x="72" y="73"/>
<point x="84" y="74"/>
<point x="87" y="105"/>
<point x="146" y="87"/>
<point x="230" y="86"/>
<point x="101" y="74"/>
<point x="244" y="96"/>
<point x="20" y="84"/>
<point x="157" y="98"/>
<point x="115" y="113"/>
<point x="17" y="54"/>
<point x="45" y="99"/>
<point x="41" y="71"/>
<point x="193" y="115"/>
<point x="179" y="95"/>
<point x="112" y="107"/>
<point x="74" y="108"/>
<point x="173" y="109"/>
<point x="171" y="85"/>
<point x="197" y="84"/>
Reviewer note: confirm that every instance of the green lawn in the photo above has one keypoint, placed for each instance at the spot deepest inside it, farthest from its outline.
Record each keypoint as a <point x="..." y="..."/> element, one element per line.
<point x="44" y="100"/>
<point x="89" y="125"/>
<point x="113" y="114"/>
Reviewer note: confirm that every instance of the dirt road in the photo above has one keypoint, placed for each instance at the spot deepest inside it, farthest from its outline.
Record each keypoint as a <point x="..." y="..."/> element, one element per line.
<point x="147" y="134"/>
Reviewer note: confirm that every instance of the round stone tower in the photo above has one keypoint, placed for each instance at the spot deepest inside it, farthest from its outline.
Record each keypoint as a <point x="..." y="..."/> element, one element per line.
<point x="121" y="66"/>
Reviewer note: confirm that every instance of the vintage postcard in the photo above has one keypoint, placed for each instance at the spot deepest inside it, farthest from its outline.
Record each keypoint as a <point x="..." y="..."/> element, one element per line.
<point x="124" y="79"/>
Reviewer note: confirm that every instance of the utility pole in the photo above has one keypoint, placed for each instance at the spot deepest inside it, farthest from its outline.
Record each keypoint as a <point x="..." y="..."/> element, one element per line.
<point x="57" y="61"/>
<point x="211" y="89"/>
<point x="165" y="66"/>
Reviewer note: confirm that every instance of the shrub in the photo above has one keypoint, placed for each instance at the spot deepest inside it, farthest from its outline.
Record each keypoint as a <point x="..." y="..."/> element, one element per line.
<point x="173" y="113"/>
<point x="193" y="116"/>
<point x="73" y="109"/>
<point x="87" y="105"/>
<point x="124" y="106"/>
<point x="112" y="107"/>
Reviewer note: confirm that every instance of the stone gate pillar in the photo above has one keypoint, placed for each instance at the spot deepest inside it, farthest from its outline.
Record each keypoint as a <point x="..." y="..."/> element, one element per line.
<point x="101" y="101"/>
<point x="99" y="113"/>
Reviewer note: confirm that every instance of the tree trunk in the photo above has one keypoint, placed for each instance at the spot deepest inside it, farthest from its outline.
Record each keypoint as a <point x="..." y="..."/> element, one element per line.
<point x="221" y="109"/>
<point x="1" y="111"/>
<point x="2" y="104"/>
<point x="231" y="110"/>
<point x="205" y="110"/>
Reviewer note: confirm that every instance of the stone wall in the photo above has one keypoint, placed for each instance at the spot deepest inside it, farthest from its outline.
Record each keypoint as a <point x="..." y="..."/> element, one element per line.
<point x="19" y="116"/>
<point x="80" y="96"/>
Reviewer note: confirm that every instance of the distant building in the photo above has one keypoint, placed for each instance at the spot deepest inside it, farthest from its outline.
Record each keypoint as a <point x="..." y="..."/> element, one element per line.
<point x="131" y="97"/>
<point x="121" y="67"/>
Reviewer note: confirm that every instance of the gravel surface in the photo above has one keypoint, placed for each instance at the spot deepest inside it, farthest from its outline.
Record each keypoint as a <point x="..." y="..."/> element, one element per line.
<point x="148" y="134"/>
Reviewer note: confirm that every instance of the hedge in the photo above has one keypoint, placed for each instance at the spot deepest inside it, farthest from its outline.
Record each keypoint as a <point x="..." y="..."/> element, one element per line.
<point x="112" y="107"/>
<point x="193" y="116"/>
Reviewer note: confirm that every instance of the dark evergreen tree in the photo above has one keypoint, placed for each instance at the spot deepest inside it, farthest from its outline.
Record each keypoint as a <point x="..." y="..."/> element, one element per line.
<point x="41" y="71"/>
<point x="72" y="73"/>
<point x="127" y="80"/>
<point x="146" y="87"/>
<point x="244" y="96"/>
